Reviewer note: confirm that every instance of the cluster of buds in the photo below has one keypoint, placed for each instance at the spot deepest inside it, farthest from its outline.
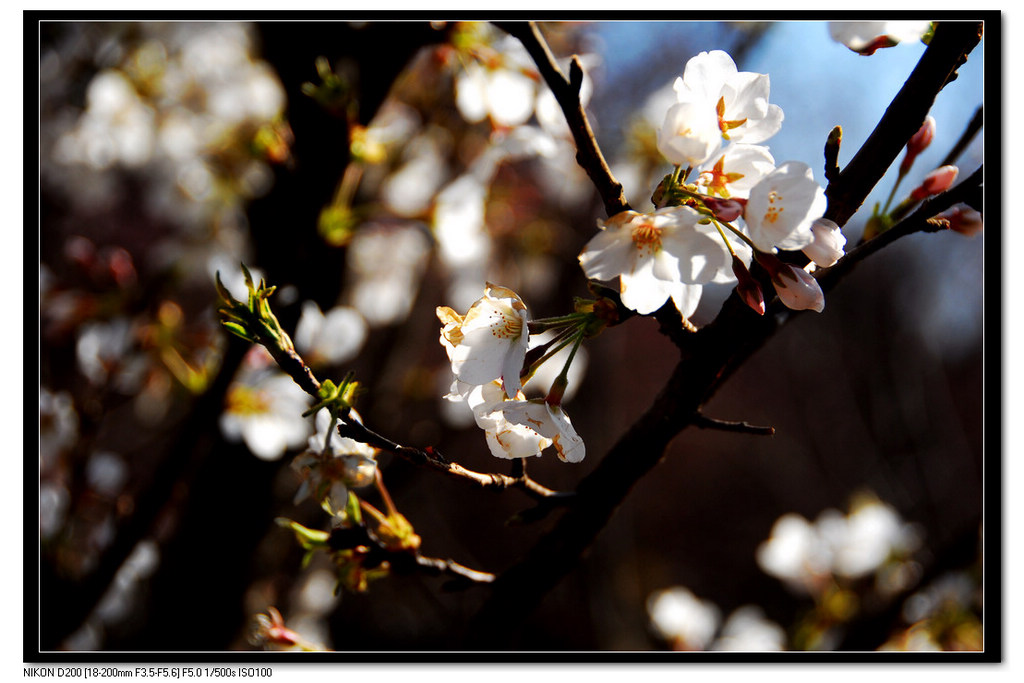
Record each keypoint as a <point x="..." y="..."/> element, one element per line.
<point x="934" y="183"/>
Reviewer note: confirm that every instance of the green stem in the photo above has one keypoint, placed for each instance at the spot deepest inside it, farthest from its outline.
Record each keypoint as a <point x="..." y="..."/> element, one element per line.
<point x="557" y="390"/>
<point x="739" y="234"/>
<point x="728" y="245"/>
<point x="892" y="194"/>
<point x="560" y="342"/>
<point x="544" y="324"/>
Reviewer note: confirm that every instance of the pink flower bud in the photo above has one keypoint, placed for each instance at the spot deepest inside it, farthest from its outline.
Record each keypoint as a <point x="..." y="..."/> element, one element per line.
<point x="939" y="180"/>
<point x="963" y="219"/>
<point x="797" y="288"/>
<point x="923" y="137"/>
<point x="918" y="143"/>
<point x="747" y="287"/>
<point x="725" y="209"/>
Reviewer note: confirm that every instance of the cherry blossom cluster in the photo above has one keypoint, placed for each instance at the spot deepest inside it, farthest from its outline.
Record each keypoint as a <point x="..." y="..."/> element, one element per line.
<point x="727" y="203"/>
<point x="488" y="349"/>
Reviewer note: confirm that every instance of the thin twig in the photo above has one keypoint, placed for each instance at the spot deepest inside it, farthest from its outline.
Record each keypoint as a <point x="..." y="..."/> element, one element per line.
<point x="404" y="560"/>
<point x="947" y="51"/>
<point x="435" y="460"/>
<point x="567" y="93"/>
<point x="965" y="138"/>
<point x="968" y="191"/>
<point x="702" y="421"/>
<point x="708" y="360"/>
<point x="433" y="566"/>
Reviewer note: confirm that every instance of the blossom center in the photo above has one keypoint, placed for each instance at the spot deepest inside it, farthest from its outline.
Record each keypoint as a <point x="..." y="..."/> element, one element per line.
<point x="507" y="326"/>
<point x="723" y="125"/>
<point x="771" y="215"/>
<point x="243" y="400"/>
<point x="647" y="236"/>
<point x="717" y="180"/>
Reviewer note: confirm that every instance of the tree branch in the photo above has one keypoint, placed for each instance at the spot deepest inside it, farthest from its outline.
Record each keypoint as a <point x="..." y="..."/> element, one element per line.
<point x="947" y="51"/>
<point x="965" y="138"/>
<point x="567" y="93"/>
<point x="406" y="561"/>
<point x="702" y="421"/>
<point x="710" y="355"/>
<point x="433" y="459"/>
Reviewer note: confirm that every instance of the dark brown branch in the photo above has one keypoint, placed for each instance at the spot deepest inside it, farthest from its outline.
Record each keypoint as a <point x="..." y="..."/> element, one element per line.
<point x="947" y="51"/>
<point x="965" y="138"/>
<point x="968" y="192"/>
<point x="702" y="421"/>
<point x="567" y="93"/>
<point x="710" y="355"/>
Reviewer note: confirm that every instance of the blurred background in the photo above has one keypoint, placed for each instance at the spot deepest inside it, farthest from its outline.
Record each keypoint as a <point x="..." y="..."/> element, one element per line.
<point x="375" y="171"/>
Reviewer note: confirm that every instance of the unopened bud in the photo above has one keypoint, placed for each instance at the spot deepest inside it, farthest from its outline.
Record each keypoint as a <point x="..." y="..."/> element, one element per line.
<point x="797" y="288"/>
<point x="918" y="143"/>
<point x="827" y="247"/>
<point x="939" y="180"/>
<point x="963" y="219"/>
<point x="746" y="287"/>
<point x="725" y="210"/>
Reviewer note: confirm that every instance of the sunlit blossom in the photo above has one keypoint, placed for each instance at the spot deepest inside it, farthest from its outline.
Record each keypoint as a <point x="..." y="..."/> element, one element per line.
<point x="748" y="630"/>
<point x="795" y="554"/>
<point x="264" y="409"/>
<point x="490" y="341"/>
<point x="739" y="99"/>
<point x="864" y="37"/>
<point x="505" y="439"/>
<point x="736" y="171"/>
<point x="657" y="256"/>
<point x="333" y="464"/>
<point x="873" y="532"/>
<point x="549" y="421"/>
<point x="683" y="619"/>
<point x="332" y="338"/>
<point x="503" y="91"/>
<point x="827" y="245"/>
<point x="782" y="207"/>
<point x="689" y="134"/>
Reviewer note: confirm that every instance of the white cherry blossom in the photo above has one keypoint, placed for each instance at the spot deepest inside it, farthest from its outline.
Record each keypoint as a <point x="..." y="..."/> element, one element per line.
<point x="654" y="254"/>
<point x="739" y="99"/>
<point x="748" y="630"/>
<point x="549" y="421"/>
<point x="328" y="476"/>
<point x="683" y="619"/>
<point x="782" y="207"/>
<point x="827" y="247"/>
<point x="332" y="338"/>
<point x="690" y="133"/>
<point x="265" y="411"/>
<point x="504" y="438"/>
<point x="490" y="342"/>
<point x="865" y="37"/>
<point x="735" y="171"/>
<point x="505" y="92"/>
